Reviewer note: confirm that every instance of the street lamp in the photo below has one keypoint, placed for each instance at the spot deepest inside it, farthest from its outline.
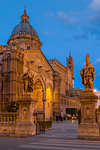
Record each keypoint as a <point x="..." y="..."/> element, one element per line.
<point x="95" y="90"/>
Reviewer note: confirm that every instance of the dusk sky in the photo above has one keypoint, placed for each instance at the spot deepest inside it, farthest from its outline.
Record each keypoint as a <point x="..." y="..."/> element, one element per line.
<point x="63" y="26"/>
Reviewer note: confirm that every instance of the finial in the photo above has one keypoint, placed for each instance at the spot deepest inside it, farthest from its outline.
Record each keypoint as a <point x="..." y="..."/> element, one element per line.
<point x="69" y="54"/>
<point x="87" y="59"/>
<point x="24" y="11"/>
<point x="25" y="17"/>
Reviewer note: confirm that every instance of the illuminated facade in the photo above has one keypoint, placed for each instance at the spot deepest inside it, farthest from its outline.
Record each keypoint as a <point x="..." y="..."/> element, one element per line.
<point x="25" y="69"/>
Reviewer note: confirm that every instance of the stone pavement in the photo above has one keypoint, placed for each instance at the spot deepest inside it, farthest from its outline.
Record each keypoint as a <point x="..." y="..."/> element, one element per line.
<point x="62" y="136"/>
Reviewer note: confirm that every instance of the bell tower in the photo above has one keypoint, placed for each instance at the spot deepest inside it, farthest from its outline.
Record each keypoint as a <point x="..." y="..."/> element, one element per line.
<point x="70" y="69"/>
<point x="70" y="64"/>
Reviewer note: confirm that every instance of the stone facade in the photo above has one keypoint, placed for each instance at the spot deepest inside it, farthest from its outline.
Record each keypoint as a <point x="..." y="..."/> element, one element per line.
<point x="25" y="70"/>
<point x="65" y="96"/>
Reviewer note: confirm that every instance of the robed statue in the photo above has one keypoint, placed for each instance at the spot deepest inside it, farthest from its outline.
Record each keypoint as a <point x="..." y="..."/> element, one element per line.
<point x="28" y="79"/>
<point x="88" y="74"/>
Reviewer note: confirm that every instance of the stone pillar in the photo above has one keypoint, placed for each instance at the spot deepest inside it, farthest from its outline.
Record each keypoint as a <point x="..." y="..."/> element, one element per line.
<point x="26" y="125"/>
<point x="44" y="101"/>
<point x="88" y="125"/>
<point x="56" y="103"/>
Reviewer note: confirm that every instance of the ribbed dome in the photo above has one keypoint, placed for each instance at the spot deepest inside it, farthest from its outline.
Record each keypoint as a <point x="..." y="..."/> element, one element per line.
<point x="24" y="27"/>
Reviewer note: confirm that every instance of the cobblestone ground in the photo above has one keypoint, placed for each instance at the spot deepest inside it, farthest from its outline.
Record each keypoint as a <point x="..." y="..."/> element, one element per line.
<point x="62" y="136"/>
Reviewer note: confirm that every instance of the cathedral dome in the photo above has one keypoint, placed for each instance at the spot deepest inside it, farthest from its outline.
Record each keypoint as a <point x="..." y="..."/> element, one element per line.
<point x="24" y="27"/>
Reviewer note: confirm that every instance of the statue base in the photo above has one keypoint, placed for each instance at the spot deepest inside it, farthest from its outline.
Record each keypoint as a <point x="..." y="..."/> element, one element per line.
<point x="88" y="126"/>
<point x="26" y="124"/>
<point x="88" y="129"/>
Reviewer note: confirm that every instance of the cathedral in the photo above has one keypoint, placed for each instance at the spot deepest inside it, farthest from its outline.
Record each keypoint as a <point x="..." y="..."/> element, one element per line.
<point x="25" y="70"/>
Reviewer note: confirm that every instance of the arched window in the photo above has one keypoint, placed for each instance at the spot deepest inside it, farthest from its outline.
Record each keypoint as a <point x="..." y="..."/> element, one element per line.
<point x="8" y="62"/>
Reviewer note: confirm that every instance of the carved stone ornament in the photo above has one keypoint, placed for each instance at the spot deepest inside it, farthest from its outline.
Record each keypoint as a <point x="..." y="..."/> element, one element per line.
<point x="88" y="112"/>
<point x="88" y="74"/>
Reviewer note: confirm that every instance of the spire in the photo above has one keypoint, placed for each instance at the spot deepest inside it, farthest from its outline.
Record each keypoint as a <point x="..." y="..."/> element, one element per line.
<point x="25" y="18"/>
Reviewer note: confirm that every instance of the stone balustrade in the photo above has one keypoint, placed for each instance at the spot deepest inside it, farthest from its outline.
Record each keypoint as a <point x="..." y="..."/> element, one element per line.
<point x="8" y="118"/>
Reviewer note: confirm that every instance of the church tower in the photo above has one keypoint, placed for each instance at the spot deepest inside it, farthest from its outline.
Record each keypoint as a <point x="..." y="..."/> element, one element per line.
<point x="70" y="63"/>
<point x="70" y="68"/>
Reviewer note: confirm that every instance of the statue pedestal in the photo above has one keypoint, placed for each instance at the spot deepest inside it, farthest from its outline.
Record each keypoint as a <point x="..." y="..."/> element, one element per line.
<point x="88" y="126"/>
<point x="27" y="120"/>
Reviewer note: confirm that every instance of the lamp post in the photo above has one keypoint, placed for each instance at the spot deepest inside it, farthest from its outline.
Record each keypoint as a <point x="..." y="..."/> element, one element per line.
<point x="44" y="100"/>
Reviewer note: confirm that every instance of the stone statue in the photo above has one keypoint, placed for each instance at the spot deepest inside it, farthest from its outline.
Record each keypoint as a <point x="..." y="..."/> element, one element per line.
<point x="28" y="79"/>
<point x="88" y="74"/>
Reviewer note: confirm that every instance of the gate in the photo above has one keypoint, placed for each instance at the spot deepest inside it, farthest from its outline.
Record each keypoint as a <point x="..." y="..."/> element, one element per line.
<point x="40" y="122"/>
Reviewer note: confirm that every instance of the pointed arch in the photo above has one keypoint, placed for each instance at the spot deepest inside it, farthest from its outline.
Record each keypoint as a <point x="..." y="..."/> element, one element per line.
<point x="49" y="100"/>
<point x="39" y="77"/>
<point x="50" y="86"/>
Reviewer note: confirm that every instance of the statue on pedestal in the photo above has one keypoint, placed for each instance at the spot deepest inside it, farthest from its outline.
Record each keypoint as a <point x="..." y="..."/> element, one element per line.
<point x="88" y="74"/>
<point x="28" y="79"/>
<point x="88" y="127"/>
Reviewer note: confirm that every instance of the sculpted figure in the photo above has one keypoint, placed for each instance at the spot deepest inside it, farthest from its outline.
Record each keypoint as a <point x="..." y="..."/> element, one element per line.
<point x="88" y="74"/>
<point x="28" y="79"/>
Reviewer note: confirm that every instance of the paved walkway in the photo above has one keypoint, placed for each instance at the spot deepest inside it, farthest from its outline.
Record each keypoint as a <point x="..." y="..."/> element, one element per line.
<point x="63" y="136"/>
<point x="63" y="130"/>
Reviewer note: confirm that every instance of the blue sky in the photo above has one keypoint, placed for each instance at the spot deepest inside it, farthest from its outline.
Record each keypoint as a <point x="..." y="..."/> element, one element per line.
<point x="63" y="26"/>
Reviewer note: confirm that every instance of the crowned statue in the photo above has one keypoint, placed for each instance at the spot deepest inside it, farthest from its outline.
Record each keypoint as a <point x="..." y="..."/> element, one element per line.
<point x="88" y="74"/>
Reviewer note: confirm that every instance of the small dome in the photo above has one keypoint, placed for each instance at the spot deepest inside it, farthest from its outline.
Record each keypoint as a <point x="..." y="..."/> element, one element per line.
<point x="24" y="27"/>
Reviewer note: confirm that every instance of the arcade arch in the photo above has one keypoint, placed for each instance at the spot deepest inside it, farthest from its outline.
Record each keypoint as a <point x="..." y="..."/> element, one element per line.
<point x="48" y="104"/>
<point x="38" y="94"/>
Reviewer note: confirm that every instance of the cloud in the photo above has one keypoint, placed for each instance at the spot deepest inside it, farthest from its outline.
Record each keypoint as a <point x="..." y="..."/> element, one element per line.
<point x="95" y="32"/>
<point x="46" y="33"/>
<point x="97" y="60"/>
<point x="95" y="19"/>
<point x="50" y="14"/>
<point x="94" y="25"/>
<point x="67" y="37"/>
<point x="81" y="35"/>
<point x="66" y="18"/>
<point x="98" y="74"/>
<point x="83" y="26"/>
<point x="95" y="5"/>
